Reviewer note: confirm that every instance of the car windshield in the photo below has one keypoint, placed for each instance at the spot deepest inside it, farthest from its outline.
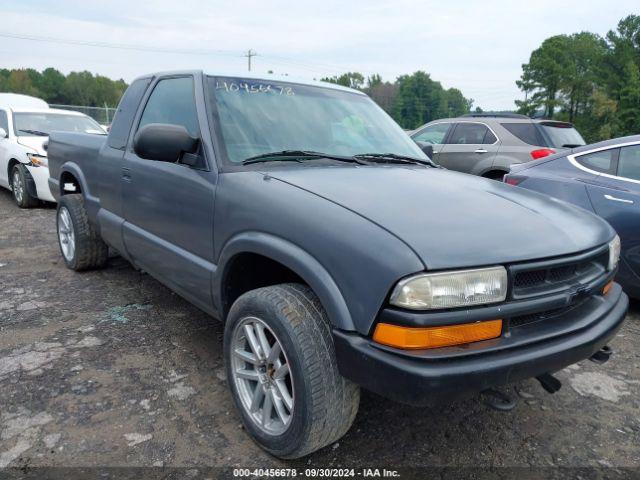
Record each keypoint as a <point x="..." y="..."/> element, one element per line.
<point x="259" y="116"/>
<point x="563" y="135"/>
<point x="38" y="124"/>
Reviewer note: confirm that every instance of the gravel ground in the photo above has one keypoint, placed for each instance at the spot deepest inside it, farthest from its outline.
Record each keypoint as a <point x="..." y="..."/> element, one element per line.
<point x="110" y="368"/>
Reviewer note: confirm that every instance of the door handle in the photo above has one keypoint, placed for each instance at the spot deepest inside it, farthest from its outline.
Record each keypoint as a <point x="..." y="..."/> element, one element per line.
<point x="616" y="199"/>
<point x="481" y="150"/>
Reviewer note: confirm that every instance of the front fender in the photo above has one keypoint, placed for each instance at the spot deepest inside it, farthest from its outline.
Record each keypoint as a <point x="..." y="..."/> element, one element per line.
<point x="294" y="258"/>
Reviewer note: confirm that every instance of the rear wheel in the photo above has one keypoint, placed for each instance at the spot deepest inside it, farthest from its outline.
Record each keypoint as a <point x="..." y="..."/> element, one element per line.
<point x="80" y="243"/>
<point x="282" y="371"/>
<point x="495" y="175"/>
<point x="19" y="178"/>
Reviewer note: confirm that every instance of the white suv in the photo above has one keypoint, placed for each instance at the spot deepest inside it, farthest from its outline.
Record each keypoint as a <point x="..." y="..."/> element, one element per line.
<point x="25" y="124"/>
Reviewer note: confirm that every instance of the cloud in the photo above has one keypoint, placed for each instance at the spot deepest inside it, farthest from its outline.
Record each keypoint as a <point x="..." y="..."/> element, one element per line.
<point x="475" y="46"/>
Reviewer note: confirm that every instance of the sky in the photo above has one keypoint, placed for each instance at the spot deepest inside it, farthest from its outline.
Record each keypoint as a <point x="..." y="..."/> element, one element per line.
<point x="476" y="46"/>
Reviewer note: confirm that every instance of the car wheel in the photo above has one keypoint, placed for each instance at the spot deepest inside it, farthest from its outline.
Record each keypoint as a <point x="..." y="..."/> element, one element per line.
<point x="19" y="177"/>
<point x="497" y="176"/>
<point x="282" y="371"/>
<point x="80" y="244"/>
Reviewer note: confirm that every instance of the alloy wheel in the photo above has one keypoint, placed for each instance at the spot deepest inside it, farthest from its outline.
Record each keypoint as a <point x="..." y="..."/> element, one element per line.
<point x="65" y="234"/>
<point x="18" y="186"/>
<point x="262" y="376"/>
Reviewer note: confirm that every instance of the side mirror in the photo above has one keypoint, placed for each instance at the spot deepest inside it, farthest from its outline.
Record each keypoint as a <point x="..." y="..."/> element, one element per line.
<point x="427" y="148"/>
<point x="164" y="142"/>
<point x="3" y="133"/>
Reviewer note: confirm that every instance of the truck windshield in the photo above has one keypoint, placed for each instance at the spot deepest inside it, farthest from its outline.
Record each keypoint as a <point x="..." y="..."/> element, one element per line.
<point x="260" y="116"/>
<point x="37" y="124"/>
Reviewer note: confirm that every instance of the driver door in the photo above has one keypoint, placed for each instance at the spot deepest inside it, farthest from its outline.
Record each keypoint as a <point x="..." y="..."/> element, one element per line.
<point x="168" y="206"/>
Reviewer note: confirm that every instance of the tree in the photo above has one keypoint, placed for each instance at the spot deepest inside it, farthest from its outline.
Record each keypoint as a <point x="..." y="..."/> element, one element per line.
<point x="350" y="79"/>
<point x="419" y="100"/>
<point x="542" y="76"/>
<point x="77" y="88"/>
<point x="412" y="99"/>
<point x="629" y="104"/>
<point x="587" y="80"/>
<point x="456" y="103"/>
<point x="50" y="84"/>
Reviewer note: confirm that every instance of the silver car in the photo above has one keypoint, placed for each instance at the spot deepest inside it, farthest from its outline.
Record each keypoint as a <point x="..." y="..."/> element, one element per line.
<point x="488" y="144"/>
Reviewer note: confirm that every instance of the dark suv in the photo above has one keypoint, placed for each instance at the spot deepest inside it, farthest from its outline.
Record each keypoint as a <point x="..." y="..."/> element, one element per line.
<point x="488" y="144"/>
<point x="336" y="254"/>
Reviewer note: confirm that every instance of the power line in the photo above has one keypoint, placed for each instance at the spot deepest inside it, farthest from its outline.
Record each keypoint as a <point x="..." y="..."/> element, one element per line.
<point x="121" y="46"/>
<point x="250" y="53"/>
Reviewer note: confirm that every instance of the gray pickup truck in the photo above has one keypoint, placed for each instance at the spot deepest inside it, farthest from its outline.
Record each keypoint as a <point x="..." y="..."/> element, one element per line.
<point x="335" y="253"/>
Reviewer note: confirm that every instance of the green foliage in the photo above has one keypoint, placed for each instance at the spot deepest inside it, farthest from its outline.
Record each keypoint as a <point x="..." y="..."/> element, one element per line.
<point x="411" y="100"/>
<point x="588" y="80"/>
<point x="350" y="79"/>
<point x="77" y="88"/>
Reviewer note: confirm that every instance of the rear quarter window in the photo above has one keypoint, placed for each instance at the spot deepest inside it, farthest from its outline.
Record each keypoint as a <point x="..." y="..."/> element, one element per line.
<point x="602" y="161"/>
<point x="121" y="126"/>
<point x="527" y="132"/>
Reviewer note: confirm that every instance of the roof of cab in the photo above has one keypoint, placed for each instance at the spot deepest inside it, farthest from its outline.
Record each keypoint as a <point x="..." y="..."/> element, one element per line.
<point x="258" y="76"/>
<point x="14" y="101"/>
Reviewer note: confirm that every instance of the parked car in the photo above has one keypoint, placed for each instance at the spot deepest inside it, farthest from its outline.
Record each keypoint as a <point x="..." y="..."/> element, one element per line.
<point x="603" y="178"/>
<point x="333" y="250"/>
<point x="25" y="124"/>
<point x="488" y="144"/>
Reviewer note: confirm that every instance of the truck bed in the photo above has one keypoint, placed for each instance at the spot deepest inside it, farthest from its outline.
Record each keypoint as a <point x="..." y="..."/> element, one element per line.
<point x="81" y="149"/>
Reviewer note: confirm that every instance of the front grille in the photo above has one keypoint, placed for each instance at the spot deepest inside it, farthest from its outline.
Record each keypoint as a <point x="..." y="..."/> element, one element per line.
<point x="521" y="320"/>
<point x="557" y="275"/>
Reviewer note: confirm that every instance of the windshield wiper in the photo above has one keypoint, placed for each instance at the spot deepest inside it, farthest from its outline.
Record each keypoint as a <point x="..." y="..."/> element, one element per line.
<point x="296" y="155"/>
<point x="34" y="132"/>
<point x="394" y="158"/>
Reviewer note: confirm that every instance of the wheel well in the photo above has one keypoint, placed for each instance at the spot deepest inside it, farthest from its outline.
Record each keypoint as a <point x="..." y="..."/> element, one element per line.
<point x="494" y="174"/>
<point x="12" y="162"/>
<point x="248" y="271"/>
<point x="69" y="184"/>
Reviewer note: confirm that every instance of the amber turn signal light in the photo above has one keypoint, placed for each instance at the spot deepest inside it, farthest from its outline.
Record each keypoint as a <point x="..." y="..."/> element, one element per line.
<point x="418" y="338"/>
<point x="607" y="287"/>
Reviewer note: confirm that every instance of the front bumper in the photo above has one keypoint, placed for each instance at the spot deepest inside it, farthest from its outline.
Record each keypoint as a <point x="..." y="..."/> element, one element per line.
<point x="40" y="176"/>
<point x="428" y="377"/>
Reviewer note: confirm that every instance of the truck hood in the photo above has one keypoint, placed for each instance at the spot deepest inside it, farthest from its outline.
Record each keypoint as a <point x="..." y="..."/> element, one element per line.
<point x="454" y="220"/>
<point x="36" y="143"/>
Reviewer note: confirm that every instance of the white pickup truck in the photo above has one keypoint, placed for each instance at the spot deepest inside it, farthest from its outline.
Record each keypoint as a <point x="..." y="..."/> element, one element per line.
<point x="25" y="124"/>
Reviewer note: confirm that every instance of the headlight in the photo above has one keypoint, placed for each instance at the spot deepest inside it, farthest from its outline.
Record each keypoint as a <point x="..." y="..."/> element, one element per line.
<point x="461" y="288"/>
<point x="38" y="160"/>
<point x="614" y="253"/>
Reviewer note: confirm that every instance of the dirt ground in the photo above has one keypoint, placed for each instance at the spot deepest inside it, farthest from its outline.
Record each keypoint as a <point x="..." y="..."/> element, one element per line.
<point x="109" y="368"/>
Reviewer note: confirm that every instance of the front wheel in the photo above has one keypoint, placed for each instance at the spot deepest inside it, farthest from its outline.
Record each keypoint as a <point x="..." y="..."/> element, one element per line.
<point x="282" y="371"/>
<point x="80" y="243"/>
<point x="22" y="197"/>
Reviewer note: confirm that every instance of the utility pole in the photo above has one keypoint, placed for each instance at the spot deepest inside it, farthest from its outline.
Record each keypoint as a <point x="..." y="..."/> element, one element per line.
<point x="250" y="53"/>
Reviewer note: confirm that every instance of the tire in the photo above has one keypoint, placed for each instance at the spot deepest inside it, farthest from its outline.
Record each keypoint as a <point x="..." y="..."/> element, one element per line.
<point x="19" y="178"/>
<point x="80" y="244"/>
<point x="495" y="175"/>
<point x="324" y="404"/>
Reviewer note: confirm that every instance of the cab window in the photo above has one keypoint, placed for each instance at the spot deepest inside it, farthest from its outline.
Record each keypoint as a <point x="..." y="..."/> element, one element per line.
<point x="172" y="102"/>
